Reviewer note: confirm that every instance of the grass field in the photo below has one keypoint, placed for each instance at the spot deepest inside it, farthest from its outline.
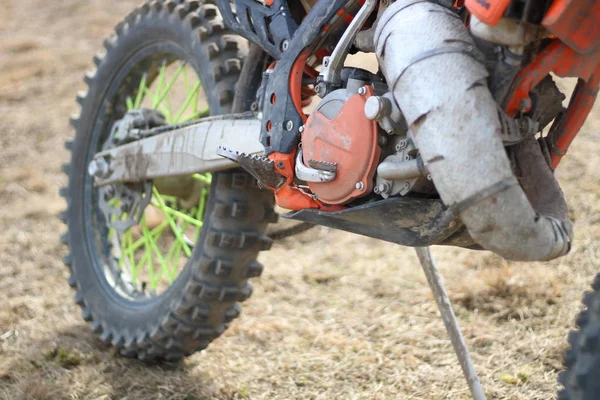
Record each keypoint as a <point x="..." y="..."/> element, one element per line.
<point x="335" y="316"/>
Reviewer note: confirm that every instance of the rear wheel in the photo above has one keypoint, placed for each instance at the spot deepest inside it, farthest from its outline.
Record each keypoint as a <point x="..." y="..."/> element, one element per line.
<point x="581" y="378"/>
<point x="159" y="268"/>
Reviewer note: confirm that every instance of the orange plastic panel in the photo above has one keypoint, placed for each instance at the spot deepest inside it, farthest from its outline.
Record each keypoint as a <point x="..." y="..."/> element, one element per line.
<point x="575" y="22"/>
<point x="351" y="141"/>
<point x="488" y="11"/>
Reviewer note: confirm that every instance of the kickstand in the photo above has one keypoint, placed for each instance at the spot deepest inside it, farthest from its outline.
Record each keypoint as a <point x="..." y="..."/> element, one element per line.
<point x="443" y="302"/>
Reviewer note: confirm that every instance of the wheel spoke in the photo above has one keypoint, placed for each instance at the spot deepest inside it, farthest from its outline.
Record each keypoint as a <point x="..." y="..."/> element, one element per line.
<point x="149" y="254"/>
<point x="176" y="232"/>
<point x="169" y="85"/>
<point x="187" y="102"/>
<point x="141" y="91"/>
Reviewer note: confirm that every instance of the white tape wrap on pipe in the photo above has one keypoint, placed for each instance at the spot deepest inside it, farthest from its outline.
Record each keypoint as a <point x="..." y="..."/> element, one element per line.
<point x="426" y="54"/>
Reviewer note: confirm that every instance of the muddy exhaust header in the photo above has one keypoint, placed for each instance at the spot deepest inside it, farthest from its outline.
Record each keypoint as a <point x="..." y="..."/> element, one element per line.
<point x="430" y="62"/>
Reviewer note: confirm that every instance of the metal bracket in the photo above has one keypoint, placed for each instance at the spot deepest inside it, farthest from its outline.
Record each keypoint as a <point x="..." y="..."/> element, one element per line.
<point x="333" y="64"/>
<point x="443" y="302"/>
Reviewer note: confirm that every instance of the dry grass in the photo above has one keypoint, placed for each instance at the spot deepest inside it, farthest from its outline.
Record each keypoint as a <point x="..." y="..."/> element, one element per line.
<point x="335" y="316"/>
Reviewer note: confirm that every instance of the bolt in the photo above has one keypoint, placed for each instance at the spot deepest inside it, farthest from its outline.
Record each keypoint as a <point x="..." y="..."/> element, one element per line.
<point x="301" y="129"/>
<point x="406" y="185"/>
<point x="109" y="192"/>
<point x="289" y="125"/>
<point x="429" y="178"/>
<point x="285" y="44"/>
<point x="383" y="188"/>
<point x="280" y="165"/>
<point x="407" y="158"/>
<point x="98" y="168"/>
<point x="321" y="90"/>
<point x="362" y="90"/>
<point x="326" y="62"/>
<point x="359" y="186"/>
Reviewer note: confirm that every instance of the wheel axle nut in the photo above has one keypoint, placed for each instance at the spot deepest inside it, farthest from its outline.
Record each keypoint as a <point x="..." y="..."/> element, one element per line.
<point x="98" y="168"/>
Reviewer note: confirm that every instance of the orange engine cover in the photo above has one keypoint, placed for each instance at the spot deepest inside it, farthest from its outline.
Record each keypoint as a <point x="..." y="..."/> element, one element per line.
<point x="339" y="132"/>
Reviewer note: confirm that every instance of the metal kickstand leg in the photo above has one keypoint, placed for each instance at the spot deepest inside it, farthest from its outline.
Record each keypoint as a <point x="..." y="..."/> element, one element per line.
<point x="443" y="302"/>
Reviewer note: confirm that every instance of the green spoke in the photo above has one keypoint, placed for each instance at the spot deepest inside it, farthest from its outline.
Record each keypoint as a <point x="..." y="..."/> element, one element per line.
<point x="178" y="72"/>
<point x="153" y="253"/>
<point x="181" y="215"/>
<point x="155" y="232"/>
<point x="150" y="242"/>
<point x="203" y="178"/>
<point x="176" y="232"/>
<point x="187" y="102"/>
<point x="159" y="84"/>
<point x="141" y="91"/>
<point x="129" y="103"/>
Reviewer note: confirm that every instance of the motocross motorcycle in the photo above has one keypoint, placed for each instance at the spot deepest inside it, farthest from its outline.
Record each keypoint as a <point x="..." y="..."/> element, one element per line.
<point x="196" y="123"/>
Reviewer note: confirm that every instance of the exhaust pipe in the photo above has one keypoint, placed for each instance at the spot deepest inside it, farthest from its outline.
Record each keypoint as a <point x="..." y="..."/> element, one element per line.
<point x="431" y="65"/>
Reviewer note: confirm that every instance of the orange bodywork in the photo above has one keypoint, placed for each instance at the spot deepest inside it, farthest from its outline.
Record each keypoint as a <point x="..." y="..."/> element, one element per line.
<point x="575" y="22"/>
<point x="349" y="140"/>
<point x="289" y="196"/>
<point x="564" y="61"/>
<point x="488" y="11"/>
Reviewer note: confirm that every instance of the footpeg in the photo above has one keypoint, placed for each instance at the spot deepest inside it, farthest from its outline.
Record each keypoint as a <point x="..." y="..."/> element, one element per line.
<point x="258" y="166"/>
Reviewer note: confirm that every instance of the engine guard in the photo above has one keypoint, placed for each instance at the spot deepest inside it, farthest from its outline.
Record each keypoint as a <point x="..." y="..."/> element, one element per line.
<point x="405" y="221"/>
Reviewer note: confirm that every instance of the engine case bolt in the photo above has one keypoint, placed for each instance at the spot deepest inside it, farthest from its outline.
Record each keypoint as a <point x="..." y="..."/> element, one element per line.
<point x="359" y="186"/>
<point x="285" y="44"/>
<point x="321" y="90"/>
<point x="382" y="188"/>
<point x="289" y="125"/>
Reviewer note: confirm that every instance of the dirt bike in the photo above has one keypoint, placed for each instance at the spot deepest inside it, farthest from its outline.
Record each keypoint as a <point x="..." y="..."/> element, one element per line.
<point x="189" y="135"/>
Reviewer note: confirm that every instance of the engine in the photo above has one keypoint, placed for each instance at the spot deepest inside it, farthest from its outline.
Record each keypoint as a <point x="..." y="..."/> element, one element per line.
<point x="358" y="134"/>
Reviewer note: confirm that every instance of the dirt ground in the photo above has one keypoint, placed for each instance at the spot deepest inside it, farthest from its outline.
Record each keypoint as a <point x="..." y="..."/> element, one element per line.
<point x="335" y="316"/>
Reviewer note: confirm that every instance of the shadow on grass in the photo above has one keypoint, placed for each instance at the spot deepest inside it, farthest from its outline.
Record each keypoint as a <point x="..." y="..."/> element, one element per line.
<point x="72" y="363"/>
